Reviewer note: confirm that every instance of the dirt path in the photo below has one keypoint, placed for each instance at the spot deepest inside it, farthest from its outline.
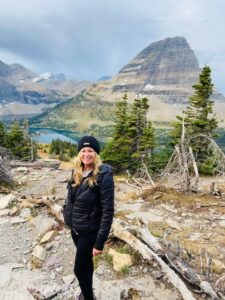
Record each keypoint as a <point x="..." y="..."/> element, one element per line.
<point x="162" y="212"/>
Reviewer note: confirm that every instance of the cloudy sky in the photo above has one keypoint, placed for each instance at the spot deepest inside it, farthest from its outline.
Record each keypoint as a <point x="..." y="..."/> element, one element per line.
<point x="86" y="39"/>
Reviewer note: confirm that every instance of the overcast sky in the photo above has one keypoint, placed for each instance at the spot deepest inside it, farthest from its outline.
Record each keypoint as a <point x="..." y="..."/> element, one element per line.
<point x="86" y="39"/>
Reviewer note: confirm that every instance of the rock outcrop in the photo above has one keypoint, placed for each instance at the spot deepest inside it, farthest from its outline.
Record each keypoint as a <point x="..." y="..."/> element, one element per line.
<point x="167" y="62"/>
<point x="166" y="69"/>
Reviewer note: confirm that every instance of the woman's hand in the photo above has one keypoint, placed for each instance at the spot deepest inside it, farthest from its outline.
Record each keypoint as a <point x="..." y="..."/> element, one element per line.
<point x="96" y="252"/>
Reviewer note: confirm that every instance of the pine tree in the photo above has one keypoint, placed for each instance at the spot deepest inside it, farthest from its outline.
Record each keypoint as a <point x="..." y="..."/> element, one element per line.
<point x="18" y="143"/>
<point x="130" y="142"/>
<point x="2" y="135"/>
<point x="120" y="127"/>
<point x="137" y="123"/>
<point x="198" y="118"/>
<point x="116" y="152"/>
<point x="147" y="141"/>
<point x="198" y="114"/>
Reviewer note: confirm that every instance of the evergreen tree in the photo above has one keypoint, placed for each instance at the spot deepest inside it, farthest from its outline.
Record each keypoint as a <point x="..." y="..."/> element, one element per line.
<point x="116" y="152"/>
<point x="120" y="127"/>
<point x="130" y="141"/>
<point x="2" y="135"/>
<point x="17" y="143"/>
<point x="137" y="126"/>
<point x="147" y="141"/>
<point x="198" y="118"/>
<point x="64" y="149"/>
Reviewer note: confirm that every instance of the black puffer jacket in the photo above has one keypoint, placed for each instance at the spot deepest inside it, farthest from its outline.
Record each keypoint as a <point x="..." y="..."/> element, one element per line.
<point x="91" y="208"/>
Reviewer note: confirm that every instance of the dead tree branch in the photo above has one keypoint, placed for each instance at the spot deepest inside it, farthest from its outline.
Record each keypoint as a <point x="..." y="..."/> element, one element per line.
<point x="5" y="170"/>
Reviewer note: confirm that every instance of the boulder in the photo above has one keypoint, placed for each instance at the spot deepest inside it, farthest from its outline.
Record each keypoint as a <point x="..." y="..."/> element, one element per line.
<point x="43" y="224"/>
<point x="5" y="271"/>
<point x="22" y="170"/>
<point x="25" y="213"/>
<point x="6" y="200"/>
<point x="120" y="260"/>
<point x="49" y="163"/>
<point x="27" y="204"/>
<point x="17" y="220"/>
<point x="49" y="236"/>
<point x="173" y="224"/>
<point x="68" y="279"/>
<point x="13" y="211"/>
<point x="38" y="256"/>
<point x="22" y="180"/>
<point x="222" y="223"/>
<point x="4" y="212"/>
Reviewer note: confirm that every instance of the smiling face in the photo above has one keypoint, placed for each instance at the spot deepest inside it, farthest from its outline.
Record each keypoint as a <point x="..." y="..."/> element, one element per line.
<point x="87" y="156"/>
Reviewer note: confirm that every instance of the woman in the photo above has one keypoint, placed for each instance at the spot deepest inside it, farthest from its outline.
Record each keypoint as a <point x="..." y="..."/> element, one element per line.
<point x="89" y="210"/>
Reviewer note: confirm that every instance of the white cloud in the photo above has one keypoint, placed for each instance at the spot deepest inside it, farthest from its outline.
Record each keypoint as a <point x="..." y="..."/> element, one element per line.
<point x="87" y="39"/>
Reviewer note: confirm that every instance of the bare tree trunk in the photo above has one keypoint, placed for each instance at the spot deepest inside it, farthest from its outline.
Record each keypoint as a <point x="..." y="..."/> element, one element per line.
<point x="119" y="232"/>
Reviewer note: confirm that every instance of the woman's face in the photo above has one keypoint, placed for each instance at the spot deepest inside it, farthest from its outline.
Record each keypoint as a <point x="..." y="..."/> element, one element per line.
<point x="87" y="156"/>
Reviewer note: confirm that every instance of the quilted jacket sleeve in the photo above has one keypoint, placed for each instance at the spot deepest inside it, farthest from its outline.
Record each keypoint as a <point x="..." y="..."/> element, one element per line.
<point x="107" y="204"/>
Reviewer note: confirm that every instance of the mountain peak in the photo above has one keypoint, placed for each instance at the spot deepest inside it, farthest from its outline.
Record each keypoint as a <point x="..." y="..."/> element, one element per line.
<point x="169" y="61"/>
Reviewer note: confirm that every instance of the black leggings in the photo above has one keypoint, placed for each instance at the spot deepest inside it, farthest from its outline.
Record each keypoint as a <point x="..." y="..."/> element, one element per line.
<point x="84" y="267"/>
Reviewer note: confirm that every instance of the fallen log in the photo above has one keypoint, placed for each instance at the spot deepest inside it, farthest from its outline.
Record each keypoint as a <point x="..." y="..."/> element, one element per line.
<point x="148" y="254"/>
<point x="219" y="204"/>
<point x="187" y="273"/>
<point x="37" y="164"/>
<point x="55" y="209"/>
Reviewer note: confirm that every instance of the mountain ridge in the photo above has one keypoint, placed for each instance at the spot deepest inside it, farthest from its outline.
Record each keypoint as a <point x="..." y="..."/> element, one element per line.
<point x="164" y="72"/>
<point x="18" y="89"/>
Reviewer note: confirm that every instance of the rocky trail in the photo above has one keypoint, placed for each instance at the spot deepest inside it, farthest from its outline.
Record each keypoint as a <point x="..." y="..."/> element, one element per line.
<point x="37" y="253"/>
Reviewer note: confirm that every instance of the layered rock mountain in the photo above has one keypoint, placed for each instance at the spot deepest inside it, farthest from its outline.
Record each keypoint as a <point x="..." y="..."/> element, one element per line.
<point x="24" y="93"/>
<point x="167" y="62"/>
<point x="164" y="72"/>
<point x="166" y="69"/>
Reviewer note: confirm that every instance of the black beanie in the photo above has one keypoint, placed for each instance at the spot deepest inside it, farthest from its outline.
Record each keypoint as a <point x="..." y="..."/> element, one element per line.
<point x="88" y="141"/>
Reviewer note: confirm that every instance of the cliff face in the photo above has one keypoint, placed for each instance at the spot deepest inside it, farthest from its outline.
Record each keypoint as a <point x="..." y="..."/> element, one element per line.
<point x="166" y="69"/>
<point x="167" y="62"/>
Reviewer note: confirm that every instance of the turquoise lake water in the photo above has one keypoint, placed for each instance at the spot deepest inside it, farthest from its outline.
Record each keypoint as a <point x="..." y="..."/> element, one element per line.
<point x="45" y="136"/>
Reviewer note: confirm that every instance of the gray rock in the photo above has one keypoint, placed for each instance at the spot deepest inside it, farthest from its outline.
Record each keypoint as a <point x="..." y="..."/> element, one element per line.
<point x="157" y="274"/>
<point x="52" y="275"/>
<point x="145" y="270"/>
<point x="68" y="279"/>
<point x="49" y="292"/>
<point x="15" y="295"/>
<point x="6" y="200"/>
<point x="17" y="220"/>
<point x="4" y="212"/>
<point x="25" y="212"/>
<point x="59" y="269"/>
<point x="22" y="170"/>
<point x="222" y="223"/>
<point x="22" y="180"/>
<point x="100" y="270"/>
<point x="38" y="256"/>
<point x="50" y="163"/>
<point x="5" y="271"/>
<point x="44" y="224"/>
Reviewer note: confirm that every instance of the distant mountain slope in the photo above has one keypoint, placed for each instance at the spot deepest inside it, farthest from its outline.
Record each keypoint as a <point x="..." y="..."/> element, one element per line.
<point x="18" y="86"/>
<point x="164" y="72"/>
<point x="79" y="115"/>
<point x="166" y="69"/>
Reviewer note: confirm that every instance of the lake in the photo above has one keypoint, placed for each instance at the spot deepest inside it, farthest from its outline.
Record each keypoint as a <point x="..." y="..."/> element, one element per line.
<point x="45" y="136"/>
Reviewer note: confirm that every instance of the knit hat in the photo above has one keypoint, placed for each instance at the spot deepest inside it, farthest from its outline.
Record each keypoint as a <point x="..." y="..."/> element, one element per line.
<point x="89" y="141"/>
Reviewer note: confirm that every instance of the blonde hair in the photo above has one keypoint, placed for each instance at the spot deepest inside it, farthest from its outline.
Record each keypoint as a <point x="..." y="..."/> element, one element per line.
<point x="78" y="170"/>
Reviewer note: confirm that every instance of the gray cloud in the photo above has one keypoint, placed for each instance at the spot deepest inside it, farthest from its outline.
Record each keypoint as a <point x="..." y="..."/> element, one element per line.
<point x="88" y="39"/>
